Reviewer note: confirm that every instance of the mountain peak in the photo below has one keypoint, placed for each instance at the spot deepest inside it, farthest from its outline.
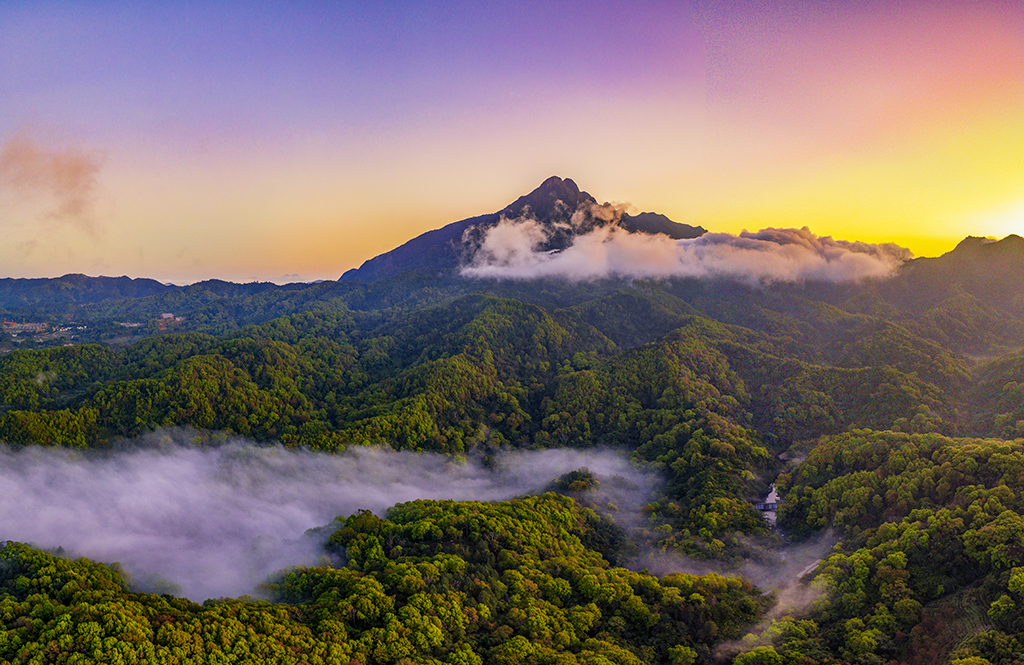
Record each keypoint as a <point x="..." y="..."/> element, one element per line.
<point x="1010" y="246"/>
<point x="543" y="202"/>
<point x="553" y="203"/>
<point x="555" y="182"/>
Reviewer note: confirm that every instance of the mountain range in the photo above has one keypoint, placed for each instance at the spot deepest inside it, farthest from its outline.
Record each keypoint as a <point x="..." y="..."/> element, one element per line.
<point x="979" y="273"/>
<point x="888" y="412"/>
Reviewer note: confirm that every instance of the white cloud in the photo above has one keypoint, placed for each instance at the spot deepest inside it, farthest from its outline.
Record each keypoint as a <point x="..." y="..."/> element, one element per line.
<point x="512" y="250"/>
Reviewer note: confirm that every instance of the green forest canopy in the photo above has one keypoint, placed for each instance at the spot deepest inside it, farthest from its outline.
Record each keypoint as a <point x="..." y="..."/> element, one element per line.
<point x="714" y="388"/>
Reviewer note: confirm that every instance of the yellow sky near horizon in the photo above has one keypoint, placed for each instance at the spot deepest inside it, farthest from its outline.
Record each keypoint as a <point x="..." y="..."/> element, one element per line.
<point x="926" y="197"/>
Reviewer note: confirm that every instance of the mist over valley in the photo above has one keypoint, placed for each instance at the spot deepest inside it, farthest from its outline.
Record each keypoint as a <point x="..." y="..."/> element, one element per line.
<point x="213" y="522"/>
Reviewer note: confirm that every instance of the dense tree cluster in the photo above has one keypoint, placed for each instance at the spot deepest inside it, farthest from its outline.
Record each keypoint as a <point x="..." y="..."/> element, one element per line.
<point x="433" y="582"/>
<point x="931" y="566"/>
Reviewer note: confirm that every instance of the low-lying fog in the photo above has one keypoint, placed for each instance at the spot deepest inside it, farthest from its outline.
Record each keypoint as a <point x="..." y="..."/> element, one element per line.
<point x="210" y="522"/>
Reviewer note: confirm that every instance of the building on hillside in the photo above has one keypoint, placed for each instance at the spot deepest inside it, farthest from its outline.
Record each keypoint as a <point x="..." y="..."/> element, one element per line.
<point x="15" y="328"/>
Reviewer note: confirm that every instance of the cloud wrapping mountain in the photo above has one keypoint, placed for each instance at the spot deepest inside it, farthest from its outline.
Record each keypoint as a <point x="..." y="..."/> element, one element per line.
<point x="516" y="249"/>
<point x="216" y="522"/>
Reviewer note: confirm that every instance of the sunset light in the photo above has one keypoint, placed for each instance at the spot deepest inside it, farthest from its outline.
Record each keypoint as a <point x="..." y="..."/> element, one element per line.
<point x="304" y="140"/>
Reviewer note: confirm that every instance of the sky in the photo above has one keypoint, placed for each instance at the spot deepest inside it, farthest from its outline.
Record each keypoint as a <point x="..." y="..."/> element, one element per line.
<point x="292" y="141"/>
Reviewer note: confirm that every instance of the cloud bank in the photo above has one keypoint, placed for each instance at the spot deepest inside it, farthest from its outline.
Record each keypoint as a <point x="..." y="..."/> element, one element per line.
<point x="216" y="522"/>
<point x="64" y="180"/>
<point x="516" y="249"/>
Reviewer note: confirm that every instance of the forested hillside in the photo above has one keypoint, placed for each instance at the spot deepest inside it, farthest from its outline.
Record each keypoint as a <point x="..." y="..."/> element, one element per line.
<point x="887" y="411"/>
<point x="433" y="582"/>
<point x="930" y="567"/>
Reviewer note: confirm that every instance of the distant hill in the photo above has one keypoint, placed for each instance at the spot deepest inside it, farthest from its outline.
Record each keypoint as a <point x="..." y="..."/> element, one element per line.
<point x="987" y="269"/>
<point x="441" y="251"/>
<point x="970" y="298"/>
<point x="75" y="289"/>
